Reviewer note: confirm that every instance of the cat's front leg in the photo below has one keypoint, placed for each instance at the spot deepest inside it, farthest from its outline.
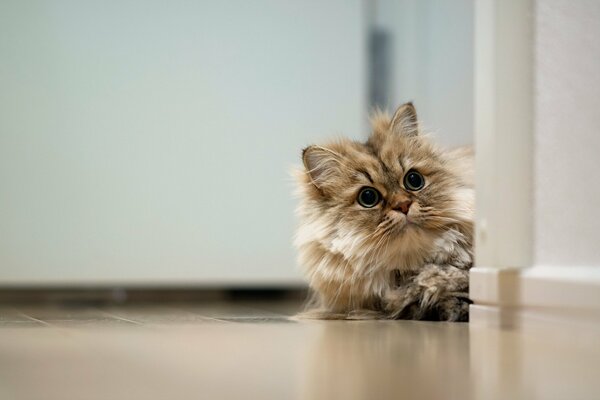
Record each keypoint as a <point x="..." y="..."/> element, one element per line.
<point x="436" y="292"/>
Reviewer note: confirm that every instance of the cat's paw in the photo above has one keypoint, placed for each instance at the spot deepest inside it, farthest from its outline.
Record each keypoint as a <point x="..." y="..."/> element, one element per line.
<point x="454" y="309"/>
<point x="435" y="293"/>
<point x="429" y="307"/>
<point x="403" y="302"/>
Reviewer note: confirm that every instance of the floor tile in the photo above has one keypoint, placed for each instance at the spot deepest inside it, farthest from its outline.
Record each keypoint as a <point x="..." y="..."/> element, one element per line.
<point x="156" y="314"/>
<point x="12" y="314"/>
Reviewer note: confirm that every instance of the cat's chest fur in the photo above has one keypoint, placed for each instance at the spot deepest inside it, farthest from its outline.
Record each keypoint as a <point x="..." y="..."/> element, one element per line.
<point x="347" y="278"/>
<point x="452" y="248"/>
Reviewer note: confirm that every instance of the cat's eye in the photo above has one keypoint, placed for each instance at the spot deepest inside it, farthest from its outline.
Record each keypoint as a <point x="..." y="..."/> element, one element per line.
<point x="414" y="180"/>
<point x="368" y="197"/>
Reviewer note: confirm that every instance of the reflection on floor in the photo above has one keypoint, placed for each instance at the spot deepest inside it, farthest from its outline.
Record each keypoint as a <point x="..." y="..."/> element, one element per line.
<point x="253" y="350"/>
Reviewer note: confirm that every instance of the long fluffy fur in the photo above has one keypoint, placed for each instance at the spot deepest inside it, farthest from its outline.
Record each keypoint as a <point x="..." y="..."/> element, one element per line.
<point x="375" y="263"/>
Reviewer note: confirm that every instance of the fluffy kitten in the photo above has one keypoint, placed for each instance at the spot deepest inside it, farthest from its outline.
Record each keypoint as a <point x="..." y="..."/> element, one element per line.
<point x="386" y="226"/>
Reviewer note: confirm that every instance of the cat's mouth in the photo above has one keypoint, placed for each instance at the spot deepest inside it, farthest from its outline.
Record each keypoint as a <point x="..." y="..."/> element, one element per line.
<point x="400" y="224"/>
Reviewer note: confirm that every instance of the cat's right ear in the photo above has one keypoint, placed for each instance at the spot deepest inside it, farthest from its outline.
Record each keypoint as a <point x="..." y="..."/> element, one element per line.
<point x="321" y="164"/>
<point x="405" y="122"/>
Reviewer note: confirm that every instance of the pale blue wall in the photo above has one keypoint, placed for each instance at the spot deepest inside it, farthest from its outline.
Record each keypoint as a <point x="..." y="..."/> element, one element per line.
<point x="151" y="141"/>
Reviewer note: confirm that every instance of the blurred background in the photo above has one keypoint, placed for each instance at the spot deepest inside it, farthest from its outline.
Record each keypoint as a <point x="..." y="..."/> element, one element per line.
<point x="148" y="144"/>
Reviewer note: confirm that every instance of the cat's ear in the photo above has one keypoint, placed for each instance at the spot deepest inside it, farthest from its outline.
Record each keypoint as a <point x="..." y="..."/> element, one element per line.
<point x="322" y="165"/>
<point x="405" y="122"/>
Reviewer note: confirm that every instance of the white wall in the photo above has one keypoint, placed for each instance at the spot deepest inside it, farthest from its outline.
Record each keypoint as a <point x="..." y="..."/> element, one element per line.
<point x="538" y="88"/>
<point x="537" y="187"/>
<point x="567" y="133"/>
<point x="150" y="142"/>
<point x="433" y="58"/>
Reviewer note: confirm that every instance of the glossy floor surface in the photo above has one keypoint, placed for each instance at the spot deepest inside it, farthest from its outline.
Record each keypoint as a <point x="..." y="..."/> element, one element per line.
<point x="252" y="350"/>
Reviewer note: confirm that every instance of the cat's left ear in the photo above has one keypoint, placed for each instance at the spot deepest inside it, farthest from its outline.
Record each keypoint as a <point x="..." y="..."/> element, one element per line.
<point x="405" y="122"/>
<point x="323" y="165"/>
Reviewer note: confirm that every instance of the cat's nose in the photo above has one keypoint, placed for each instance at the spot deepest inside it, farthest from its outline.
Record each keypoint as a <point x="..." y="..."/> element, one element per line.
<point x="403" y="206"/>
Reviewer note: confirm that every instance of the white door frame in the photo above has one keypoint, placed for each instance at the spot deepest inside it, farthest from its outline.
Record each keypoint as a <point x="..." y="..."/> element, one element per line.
<point x="506" y="285"/>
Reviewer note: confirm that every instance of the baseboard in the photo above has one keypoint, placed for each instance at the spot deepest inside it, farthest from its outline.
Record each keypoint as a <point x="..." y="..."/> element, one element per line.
<point x="536" y="296"/>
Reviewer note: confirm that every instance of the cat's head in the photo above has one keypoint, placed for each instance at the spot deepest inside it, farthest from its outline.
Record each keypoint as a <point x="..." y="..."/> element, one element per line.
<point x="388" y="199"/>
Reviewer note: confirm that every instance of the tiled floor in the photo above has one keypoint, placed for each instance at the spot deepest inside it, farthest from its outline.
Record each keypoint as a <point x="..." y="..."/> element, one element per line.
<point x="252" y="350"/>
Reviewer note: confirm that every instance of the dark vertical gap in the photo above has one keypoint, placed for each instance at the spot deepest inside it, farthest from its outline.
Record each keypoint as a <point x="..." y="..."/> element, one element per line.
<point x="379" y="63"/>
